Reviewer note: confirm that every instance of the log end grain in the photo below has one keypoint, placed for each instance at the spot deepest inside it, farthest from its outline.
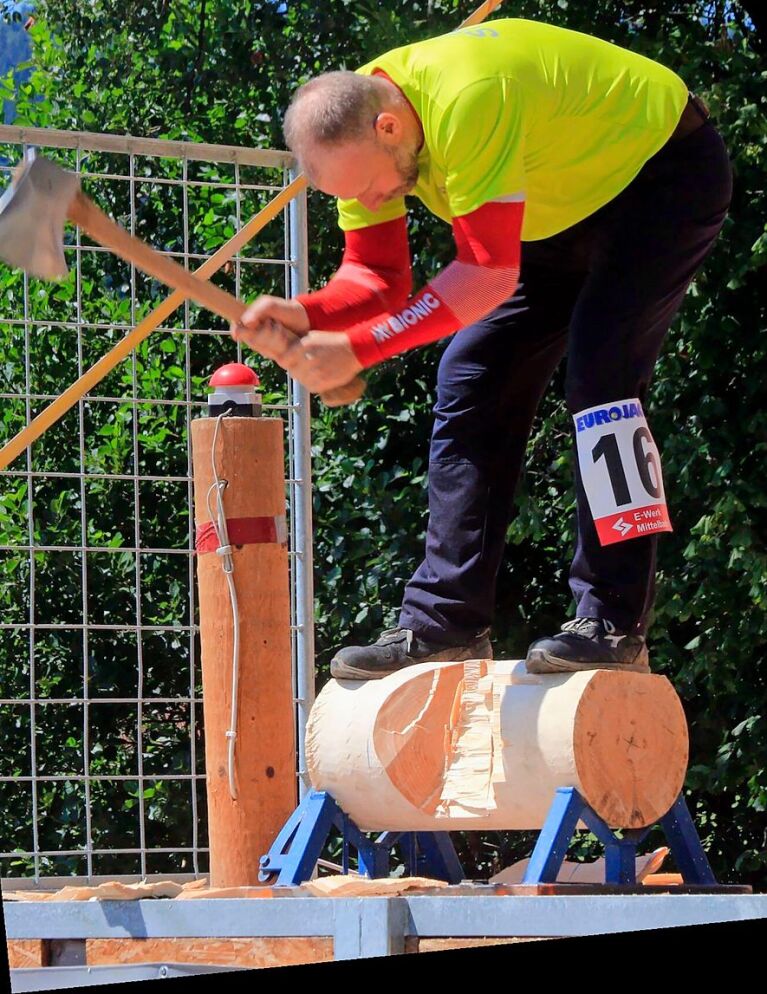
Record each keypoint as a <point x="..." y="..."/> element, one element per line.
<point x="631" y="747"/>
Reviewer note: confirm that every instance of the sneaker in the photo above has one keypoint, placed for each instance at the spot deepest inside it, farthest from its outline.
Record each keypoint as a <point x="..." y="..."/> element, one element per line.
<point x="400" y="647"/>
<point x="588" y="644"/>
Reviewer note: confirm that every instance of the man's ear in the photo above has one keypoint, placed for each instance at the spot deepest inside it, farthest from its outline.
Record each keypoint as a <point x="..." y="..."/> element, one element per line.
<point x="388" y="128"/>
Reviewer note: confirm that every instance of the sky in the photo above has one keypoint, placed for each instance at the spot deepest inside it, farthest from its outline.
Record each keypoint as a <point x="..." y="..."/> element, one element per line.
<point x="15" y="45"/>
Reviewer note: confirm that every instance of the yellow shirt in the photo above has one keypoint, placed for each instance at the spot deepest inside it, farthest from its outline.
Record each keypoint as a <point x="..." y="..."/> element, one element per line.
<point x="514" y="110"/>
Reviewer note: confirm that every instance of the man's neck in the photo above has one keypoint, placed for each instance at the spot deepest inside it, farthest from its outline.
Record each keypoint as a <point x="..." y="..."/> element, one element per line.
<point x="397" y="103"/>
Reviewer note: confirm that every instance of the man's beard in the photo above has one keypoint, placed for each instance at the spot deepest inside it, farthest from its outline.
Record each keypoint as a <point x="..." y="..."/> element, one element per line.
<point x="406" y="164"/>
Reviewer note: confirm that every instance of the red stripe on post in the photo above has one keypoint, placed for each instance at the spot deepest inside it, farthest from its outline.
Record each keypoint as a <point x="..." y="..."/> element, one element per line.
<point x="243" y="531"/>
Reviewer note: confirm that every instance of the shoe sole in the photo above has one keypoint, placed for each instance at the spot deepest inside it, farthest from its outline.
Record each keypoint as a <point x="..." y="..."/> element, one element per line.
<point x="543" y="662"/>
<point x="343" y="671"/>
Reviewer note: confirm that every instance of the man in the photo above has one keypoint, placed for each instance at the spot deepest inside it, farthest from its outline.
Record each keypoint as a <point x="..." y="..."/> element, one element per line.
<point x="584" y="186"/>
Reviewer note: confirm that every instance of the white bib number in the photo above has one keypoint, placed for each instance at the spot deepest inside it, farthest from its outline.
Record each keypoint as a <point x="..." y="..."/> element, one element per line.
<point x="620" y="470"/>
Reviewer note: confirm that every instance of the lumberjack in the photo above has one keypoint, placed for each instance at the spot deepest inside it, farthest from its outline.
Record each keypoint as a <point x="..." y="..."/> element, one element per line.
<point x="584" y="186"/>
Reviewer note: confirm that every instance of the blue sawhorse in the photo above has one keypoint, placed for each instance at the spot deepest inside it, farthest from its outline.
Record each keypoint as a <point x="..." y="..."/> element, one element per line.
<point x="297" y="848"/>
<point x="294" y="853"/>
<point x="569" y="808"/>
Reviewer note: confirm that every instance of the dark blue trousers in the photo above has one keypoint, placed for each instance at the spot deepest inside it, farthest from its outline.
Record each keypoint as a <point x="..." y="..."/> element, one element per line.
<point x="605" y="292"/>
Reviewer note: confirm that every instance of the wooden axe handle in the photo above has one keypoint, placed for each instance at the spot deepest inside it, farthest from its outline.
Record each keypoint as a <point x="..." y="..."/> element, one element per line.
<point x="83" y="212"/>
<point x="477" y="16"/>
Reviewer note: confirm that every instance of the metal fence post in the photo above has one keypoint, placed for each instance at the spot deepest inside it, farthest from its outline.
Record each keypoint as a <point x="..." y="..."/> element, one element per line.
<point x="301" y="472"/>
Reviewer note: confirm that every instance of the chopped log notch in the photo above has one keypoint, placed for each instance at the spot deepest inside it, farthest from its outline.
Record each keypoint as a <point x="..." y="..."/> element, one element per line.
<point x="250" y="456"/>
<point x="484" y="745"/>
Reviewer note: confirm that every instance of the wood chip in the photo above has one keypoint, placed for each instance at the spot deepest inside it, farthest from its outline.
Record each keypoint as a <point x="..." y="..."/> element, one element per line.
<point x="110" y="891"/>
<point x="348" y="886"/>
<point x="582" y="873"/>
<point x="194" y="895"/>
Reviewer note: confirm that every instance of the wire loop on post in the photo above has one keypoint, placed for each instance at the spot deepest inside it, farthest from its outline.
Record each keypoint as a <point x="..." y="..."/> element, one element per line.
<point x="224" y="552"/>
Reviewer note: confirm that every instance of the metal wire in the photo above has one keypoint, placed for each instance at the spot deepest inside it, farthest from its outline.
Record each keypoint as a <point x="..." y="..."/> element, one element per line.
<point x="36" y="706"/>
<point x="224" y="551"/>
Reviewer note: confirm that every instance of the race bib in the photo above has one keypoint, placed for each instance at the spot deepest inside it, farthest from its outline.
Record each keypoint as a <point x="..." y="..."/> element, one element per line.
<point x="620" y="470"/>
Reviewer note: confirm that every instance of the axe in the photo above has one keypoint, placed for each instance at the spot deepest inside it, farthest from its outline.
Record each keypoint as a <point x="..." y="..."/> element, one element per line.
<point x="32" y="217"/>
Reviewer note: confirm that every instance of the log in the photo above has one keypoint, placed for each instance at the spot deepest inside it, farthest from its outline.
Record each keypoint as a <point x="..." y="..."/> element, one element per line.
<point x="484" y="745"/>
<point x="250" y="456"/>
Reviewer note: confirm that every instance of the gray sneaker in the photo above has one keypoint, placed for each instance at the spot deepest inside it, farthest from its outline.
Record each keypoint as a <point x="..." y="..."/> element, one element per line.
<point x="399" y="647"/>
<point x="588" y="644"/>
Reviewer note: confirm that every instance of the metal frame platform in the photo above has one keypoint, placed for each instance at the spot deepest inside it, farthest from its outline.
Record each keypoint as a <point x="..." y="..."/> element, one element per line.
<point x="53" y="978"/>
<point x="378" y="926"/>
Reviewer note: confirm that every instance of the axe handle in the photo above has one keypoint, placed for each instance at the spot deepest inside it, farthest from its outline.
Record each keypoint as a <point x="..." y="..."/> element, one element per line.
<point x="83" y="212"/>
<point x="477" y="16"/>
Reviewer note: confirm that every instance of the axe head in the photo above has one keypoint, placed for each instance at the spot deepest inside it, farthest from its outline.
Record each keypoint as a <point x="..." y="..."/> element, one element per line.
<point x="32" y="215"/>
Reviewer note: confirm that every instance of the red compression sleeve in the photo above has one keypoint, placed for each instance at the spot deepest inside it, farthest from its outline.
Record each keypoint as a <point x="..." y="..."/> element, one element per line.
<point x="484" y="274"/>
<point x="374" y="276"/>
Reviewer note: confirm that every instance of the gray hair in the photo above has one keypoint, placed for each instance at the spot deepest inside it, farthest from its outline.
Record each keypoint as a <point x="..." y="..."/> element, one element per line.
<point x="332" y="108"/>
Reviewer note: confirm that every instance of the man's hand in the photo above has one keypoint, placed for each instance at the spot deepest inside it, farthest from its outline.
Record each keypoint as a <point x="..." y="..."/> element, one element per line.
<point x="286" y="312"/>
<point x="320" y="360"/>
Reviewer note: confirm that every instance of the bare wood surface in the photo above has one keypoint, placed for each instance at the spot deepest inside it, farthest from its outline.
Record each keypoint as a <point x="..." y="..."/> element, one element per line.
<point x="415" y="944"/>
<point x="484" y="745"/>
<point x="631" y="747"/>
<point x="247" y="952"/>
<point x="346" y="885"/>
<point x="26" y="953"/>
<point x="113" y="890"/>
<point x="227" y="892"/>
<point x="249" y="454"/>
<point x="484" y="10"/>
<point x="413" y="752"/>
<point x="153" y="147"/>
<point x="553" y="890"/>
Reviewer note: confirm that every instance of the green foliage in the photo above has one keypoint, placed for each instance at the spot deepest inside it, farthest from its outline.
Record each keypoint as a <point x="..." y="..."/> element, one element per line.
<point x="204" y="70"/>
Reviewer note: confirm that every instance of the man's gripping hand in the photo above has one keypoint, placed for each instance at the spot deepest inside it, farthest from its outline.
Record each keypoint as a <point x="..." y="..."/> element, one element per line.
<point x="265" y="309"/>
<point x="320" y="360"/>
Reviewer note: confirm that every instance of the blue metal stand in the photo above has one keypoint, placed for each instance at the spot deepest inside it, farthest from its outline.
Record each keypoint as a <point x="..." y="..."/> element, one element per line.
<point x="568" y="808"/>
<point x="299" y="845"/>
<point x="294" y="854"/>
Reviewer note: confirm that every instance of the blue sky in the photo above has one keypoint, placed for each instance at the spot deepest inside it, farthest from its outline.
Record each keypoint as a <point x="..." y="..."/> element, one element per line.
<point x="15" y="45"/>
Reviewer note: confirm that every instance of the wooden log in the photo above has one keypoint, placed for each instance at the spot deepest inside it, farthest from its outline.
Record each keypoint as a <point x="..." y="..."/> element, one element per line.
<point x="485" y="745"/>
<point x="250" y="456"/>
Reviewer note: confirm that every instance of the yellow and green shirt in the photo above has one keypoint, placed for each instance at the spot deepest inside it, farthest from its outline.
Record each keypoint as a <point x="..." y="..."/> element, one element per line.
<point x="514" y="109"/>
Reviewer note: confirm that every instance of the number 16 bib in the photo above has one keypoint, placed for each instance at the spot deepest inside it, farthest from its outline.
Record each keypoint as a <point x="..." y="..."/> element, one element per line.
<point x="620" y="470"/>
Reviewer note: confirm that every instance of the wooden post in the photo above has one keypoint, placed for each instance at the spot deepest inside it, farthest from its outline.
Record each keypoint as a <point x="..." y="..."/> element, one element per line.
<point x="250" y="456"/>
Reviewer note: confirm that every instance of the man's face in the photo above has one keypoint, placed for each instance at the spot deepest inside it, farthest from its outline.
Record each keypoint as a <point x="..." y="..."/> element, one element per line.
<point x="370" y="171"/>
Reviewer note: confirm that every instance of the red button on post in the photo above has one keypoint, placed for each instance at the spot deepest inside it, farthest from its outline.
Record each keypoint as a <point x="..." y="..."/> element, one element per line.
<point x="234" y="374"/>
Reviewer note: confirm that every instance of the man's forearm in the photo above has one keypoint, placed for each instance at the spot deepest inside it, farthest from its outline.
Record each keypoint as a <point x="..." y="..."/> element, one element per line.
<point x="374" y="276"/>
<point x="458" y="296"/>
<point x="483" y="275"/>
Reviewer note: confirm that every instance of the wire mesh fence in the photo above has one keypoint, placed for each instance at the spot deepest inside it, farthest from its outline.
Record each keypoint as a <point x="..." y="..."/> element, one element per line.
<point x="101" y="738"/>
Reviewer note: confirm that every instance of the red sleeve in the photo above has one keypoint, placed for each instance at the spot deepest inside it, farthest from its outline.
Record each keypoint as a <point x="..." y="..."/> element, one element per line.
<point x="374" y="276"/>
<point x="484" y="273"/>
